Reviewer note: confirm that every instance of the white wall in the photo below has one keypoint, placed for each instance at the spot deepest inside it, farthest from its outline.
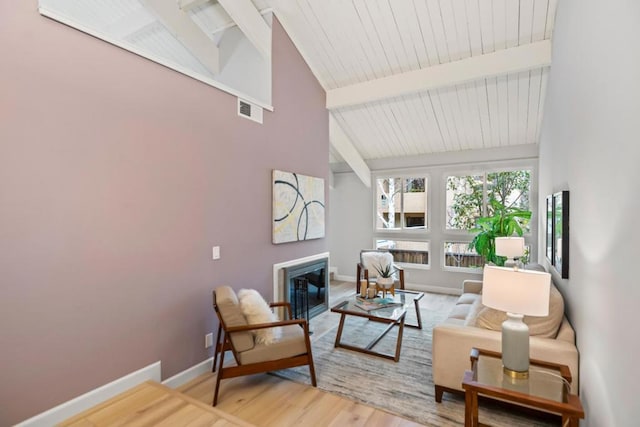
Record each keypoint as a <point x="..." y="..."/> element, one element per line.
<point x="351" y="228"/>
<point x="352" y="211"/>
<point x="589" y="146"/>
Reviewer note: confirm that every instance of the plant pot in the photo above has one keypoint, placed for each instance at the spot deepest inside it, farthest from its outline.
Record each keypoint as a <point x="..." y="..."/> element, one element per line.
<point x="385" y="282"/>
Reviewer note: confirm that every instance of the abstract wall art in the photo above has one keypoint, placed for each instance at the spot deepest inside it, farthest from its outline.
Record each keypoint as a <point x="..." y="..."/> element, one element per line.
<point x="298" y="207"/>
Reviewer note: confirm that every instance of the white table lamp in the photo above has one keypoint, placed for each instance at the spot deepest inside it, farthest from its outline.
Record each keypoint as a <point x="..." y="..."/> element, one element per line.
<point x="510" y="247"/>
<point x="519" y="293"/>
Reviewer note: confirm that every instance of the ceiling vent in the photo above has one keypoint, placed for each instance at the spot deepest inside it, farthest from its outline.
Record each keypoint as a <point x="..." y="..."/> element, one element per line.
<point x="249" y="111"/>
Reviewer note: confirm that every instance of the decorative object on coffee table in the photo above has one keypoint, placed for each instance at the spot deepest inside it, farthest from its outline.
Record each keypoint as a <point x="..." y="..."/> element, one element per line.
<point x="385" y="279"/>
<point x="547" y="389"/>
<point x="366" y="271"/>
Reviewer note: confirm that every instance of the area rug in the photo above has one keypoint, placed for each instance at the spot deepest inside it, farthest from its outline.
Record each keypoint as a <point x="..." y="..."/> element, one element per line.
<point x="404" y="388"/>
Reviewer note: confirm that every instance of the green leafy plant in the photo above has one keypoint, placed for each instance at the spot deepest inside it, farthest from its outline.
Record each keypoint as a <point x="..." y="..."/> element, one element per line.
<point x="504" y="222"/>
<point x="385" y="271"/>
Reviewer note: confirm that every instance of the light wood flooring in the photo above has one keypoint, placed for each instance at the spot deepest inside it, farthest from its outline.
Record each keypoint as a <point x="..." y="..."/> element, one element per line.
<point x="261" y="400"/>
<point x="153" y="404"/>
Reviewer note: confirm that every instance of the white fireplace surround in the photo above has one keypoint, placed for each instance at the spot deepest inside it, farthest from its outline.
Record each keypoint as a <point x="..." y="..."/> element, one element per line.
<point x="278" y="273"/>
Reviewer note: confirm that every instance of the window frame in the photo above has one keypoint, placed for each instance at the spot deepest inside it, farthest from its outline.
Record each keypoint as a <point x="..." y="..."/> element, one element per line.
<point x="450" y="268"/>
<point x="408" y="265"/>
<point x="436" y="233"/>
<point x="420" y="235"/>
<point x="401" y="230"/>
<point x="485" y="171"/>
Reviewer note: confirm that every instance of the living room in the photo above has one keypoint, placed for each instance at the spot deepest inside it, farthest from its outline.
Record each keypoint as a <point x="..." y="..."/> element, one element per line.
<point x="119" y="176"/>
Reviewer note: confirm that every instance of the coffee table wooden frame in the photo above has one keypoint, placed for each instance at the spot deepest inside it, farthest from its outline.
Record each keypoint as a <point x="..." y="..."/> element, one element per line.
<point x="571" y="410"/>
<point x="398" y="320"/>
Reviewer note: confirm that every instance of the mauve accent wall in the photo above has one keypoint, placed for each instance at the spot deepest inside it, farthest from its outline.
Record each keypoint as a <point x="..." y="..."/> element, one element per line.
<point x="117" y="176"/>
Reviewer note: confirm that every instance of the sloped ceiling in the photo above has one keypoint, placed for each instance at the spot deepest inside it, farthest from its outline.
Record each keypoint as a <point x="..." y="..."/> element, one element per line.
<point x="414" y="77"/>
<point x="403" y="77"/>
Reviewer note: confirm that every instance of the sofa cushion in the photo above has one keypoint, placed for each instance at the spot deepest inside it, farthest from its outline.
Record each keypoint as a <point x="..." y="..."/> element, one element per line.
<point x="545" y="327"/>
<point x="467" y="298"/>
<point x="459" y="311"/>
<point x="474" y="311"/>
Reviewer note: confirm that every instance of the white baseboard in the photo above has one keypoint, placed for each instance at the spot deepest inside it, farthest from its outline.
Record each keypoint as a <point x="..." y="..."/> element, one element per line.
<point x="412" y="286"/>
<point x="433" y="289"/>
<point x="344" y="278"/>
<point x="93" y="397"/>
<point x="189" y="374"/>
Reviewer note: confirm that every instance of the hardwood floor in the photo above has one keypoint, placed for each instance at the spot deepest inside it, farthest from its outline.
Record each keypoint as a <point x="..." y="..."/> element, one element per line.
<point x="265" y="400"/>
<point x="152" y="404"/>
<point x="260" y="400"/>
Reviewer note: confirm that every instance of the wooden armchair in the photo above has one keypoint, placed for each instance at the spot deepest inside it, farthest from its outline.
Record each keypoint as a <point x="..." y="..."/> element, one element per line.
<point x="292" y="349"/>
<point x="369" y="259"/>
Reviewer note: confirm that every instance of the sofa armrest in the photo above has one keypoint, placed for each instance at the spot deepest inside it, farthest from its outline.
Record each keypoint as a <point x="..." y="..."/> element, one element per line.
<point x="472" y="286"/>
<point x="452" y="345"/>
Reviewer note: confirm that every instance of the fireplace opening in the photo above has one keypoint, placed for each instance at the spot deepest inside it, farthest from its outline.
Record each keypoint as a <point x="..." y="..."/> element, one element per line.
<point x="307" y="288"/>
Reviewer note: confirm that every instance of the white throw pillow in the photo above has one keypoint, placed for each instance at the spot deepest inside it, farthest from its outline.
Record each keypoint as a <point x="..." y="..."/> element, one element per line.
<point x="256" y="310"/>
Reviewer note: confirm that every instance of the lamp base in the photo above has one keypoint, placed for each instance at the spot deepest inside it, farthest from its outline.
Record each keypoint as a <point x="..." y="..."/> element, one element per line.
<point x="512" y="262"/>
<point x="515" y="346"/>
<point x="516" y="375"/>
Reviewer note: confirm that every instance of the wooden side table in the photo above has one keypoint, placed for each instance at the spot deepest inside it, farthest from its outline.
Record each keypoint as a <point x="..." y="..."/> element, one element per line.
<point x="546" y="389"/>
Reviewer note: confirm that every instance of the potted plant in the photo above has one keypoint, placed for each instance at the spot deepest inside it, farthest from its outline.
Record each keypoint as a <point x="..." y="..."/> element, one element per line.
<point x="385" y="275"/>
<point x="504" y="222"/>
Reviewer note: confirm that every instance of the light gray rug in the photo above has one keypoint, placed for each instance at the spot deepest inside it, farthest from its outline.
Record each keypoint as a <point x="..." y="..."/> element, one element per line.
<point x="404" y="388"/>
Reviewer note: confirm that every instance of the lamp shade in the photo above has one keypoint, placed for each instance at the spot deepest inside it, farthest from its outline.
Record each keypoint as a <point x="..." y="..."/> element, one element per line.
<point x="510" y="247"/>
<point x="516" y="291"/>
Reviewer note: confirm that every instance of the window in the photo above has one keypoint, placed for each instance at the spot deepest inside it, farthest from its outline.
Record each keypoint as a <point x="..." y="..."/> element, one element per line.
<point x="468" y="196"/>
<point x="464" y="201"/>
<point x="401" y="203"/>
<point x="406" y="252"/>
<point x="460" y="255"/>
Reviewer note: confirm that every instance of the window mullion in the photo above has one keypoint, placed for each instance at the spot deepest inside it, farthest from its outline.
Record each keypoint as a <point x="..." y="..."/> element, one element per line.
<point x="402" y="223"/>
<point x="485" y="195"/>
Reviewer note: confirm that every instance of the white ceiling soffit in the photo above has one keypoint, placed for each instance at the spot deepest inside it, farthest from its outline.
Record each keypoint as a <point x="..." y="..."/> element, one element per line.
<point x="249" y="20"/>
<point x="195" y="37"/>
<point x="184" y="29"/>
<point x="415" y="77"/>
<point x="343" y="146"/>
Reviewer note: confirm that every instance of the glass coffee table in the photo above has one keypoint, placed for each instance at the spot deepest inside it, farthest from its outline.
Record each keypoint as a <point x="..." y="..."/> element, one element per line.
<point x="547" y="388"/>
<point x="393" y="315"/>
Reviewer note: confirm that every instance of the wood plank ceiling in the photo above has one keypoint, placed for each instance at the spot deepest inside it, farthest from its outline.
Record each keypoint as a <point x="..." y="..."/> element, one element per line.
<point x="347" y="43"/>
<point x="403" y="77"/>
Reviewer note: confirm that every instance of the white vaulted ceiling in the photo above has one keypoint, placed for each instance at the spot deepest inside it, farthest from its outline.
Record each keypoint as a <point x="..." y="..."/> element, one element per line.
<point x="441" y="98"/>
<point x="403" y="77"/>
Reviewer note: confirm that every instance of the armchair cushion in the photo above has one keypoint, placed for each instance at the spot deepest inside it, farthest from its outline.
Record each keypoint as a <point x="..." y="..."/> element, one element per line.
<point x="230" y="312"/>
<point x="256" y="310"/>
<point x="373" y="260"/>
<point x="291" y="343"/>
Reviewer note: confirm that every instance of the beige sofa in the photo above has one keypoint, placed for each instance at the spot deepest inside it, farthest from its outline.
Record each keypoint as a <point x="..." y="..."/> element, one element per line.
<point x="470" y="324"/>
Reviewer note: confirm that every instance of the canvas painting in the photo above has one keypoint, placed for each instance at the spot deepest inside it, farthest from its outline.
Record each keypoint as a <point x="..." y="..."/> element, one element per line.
<point x="298" y="207"/>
